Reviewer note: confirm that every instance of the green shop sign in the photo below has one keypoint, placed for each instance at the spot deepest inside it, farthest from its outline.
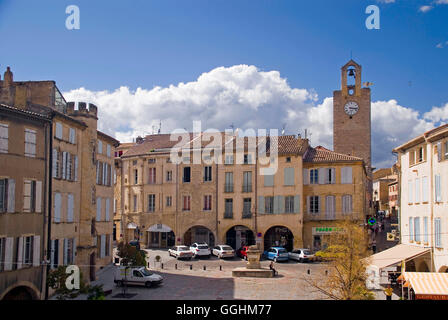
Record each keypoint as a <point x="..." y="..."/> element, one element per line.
<point x="326" y="229"/>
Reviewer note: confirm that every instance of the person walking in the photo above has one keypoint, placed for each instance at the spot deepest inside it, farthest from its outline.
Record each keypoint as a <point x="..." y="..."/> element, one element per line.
<point x="388" y="292"/>
<point x="374" y="245"/>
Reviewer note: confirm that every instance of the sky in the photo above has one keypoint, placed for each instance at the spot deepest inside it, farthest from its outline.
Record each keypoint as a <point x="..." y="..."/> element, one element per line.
<point x="250" y="63"/>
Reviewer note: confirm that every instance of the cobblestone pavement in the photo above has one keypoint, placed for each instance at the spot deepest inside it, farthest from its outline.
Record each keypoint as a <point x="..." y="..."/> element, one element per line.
<point x="215" y="284"/>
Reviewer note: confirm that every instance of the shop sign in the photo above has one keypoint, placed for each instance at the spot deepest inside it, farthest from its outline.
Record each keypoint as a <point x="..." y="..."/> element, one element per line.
<point x="326" y="230"/>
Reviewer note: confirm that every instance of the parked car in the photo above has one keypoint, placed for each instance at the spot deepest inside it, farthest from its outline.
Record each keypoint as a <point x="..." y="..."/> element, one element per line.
<point x="276" y="254"/>
<point x="200" y="250"/>
<point x="137" y="275"/>
<point x="242" y="252"/>
<point x="301" y="255"/>
<point x="135" y="243"/>
<point x="223" y="251"/>
<point x="180" y="252"/>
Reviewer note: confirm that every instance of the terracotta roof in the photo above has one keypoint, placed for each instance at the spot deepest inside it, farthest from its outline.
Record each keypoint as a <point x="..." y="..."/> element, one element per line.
<point x="152" y="143"/>
<point x="321" y="154"/>
<point x="25" y="112"/>
<point x="103" y="135"/>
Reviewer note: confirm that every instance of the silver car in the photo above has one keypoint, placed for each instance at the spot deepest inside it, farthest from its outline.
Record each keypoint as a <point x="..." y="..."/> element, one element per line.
<point x="180" y="252"/>
<point x="223" y="251"/>
<point x="301" y="255"/>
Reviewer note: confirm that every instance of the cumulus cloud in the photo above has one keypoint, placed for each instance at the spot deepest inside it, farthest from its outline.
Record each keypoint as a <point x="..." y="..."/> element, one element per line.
<point x="246" y="97"/>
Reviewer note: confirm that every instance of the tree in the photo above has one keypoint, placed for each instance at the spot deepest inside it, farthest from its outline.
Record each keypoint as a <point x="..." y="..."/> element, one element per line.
<point x="57" y="280"/>
<point x="130" y="255"/>
<point x="347" y="259"/>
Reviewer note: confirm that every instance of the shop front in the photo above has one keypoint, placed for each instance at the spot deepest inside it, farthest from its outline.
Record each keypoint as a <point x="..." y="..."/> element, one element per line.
<point x="160" y="236"/>
<point x="279" y="236"/>
<point x="239" y="236"/>
<point x="321" y="236"/>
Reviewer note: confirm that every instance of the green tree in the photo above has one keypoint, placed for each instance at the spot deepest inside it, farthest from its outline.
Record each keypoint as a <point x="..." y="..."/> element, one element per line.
<point x="130" y="255"/>
<point x="56" y="280"/>
<point x="347" y="259"/>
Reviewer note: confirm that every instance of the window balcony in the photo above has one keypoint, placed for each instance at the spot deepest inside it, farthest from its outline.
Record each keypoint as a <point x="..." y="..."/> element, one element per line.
<point x="228" y="187"/>
<point x="247" y="215"/>
<point x="247" y="188"/>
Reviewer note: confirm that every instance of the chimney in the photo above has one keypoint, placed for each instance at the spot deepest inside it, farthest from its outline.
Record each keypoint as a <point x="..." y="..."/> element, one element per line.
<point x="8" y="77"/>
<point x="139" y="140"/>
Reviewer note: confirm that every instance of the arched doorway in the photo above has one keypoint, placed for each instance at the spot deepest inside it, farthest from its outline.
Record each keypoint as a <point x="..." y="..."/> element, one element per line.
<point x="20" y="293"/>
<point x="239" y="236"/>
<point x="443" y="269"/>
<point x="423" y="267"/>
<point x="279" y="236"/>
<point x="410" y="266"/>
<point x="160" y="236"/>
<point x="199" y="234"/>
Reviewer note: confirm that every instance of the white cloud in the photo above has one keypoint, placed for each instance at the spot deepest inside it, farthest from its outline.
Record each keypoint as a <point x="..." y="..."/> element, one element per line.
<point x="437" y="114"/>
<point x="425" y="9"/>
<point x="386" y="1"/>
<point x="248" y="98"/>
<point x="442" y="1"/>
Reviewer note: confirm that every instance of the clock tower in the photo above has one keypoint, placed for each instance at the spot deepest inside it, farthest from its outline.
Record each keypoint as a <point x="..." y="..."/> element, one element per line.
<point x="351" y="116"/>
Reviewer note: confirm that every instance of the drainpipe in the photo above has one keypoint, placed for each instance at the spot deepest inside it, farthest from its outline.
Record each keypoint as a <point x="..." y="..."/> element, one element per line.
<point x="431" y="220"/>
<point x="49" y="204"/>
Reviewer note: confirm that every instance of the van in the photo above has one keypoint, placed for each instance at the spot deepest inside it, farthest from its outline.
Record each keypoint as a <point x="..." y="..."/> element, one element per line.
<point x="136" y="275"/>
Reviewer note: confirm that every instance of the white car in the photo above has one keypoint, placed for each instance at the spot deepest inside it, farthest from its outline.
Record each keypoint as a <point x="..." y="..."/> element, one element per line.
<point x="180" y="252"/>
<point x="301" y="255"/>
<point x="200" y="250"/>
<point x="223" y="251"/>
<point x="136" y="275"/>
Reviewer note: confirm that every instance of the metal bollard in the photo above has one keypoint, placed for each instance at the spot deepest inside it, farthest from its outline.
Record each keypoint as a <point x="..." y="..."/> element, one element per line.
<point x="175" y="266"/>
<point x="220" y="268"/>
<point x="191" y="267"/>
<point x="308" y="271"/>
<point x="326" y="272"/>
<point x="162" y="265"/>
<point x="204" y="267"/>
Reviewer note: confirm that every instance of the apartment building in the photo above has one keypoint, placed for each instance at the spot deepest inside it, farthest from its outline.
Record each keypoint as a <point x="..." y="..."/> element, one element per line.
<point x="24" y="189"/>
<point x="381" y="180"/>
<point x="424" y="204"/>
<point x="231" y="202"/>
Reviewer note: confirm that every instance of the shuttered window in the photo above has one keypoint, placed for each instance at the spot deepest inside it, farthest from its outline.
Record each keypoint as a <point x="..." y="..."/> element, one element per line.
<point x="417" y="229"/>
<point x="30" y="143"/>
<point x="2" y="253"/>
<point x="268" y="180"/>
<point x="411" y="229"/>
<point x="72" y="135"/>
<point x="425" y="189"/>
<point x="29" y="196"/>
<point x="346" y="175"/>
<point x="103" y="246"/>
<point x="152" y="175"/>
<point x="107" y="209"/>
<point x="438" y="232"/>
<point x="98" y="209"/>
<point x="425" y="229"/>
<point x="417" y="190"/>
<point x="306" y="177"/>
<point x="207" y="173"/>
<point x="58" y="130"/>
<point x="438" y="188"/>
<point x="108" y="150"/>
<point x="3" y="138"/>
<point x="70" y="207"/>
<point x="330" y="204"/>
<point x="269" y="205"/>
<point x="313" y="204"/>
<point x="314" y="176"/>
<point x="100" y="146"/>
<point x="289" y="204"/>
<point x="186" y="203"/>
<point x="207" y="202"/>
<point x="347" y="203"/>
<point x="151" y="202"/>
<point x="57" y="207"/>
<point x="289" y="176"/>
<point x="410" y="191"/>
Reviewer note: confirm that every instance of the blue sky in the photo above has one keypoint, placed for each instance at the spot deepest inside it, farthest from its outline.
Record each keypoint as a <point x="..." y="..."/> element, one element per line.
<point x="161" y="43"/>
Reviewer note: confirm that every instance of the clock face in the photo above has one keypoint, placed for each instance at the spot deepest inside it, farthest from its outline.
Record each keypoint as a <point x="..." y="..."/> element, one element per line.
<point x="351" y="108"/>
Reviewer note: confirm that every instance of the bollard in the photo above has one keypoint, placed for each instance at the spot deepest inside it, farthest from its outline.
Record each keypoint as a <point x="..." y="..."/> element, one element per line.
<point x="175" y="266"/>
<point x="162" y="265"/>
<point x="308" y="271"/>
<point x="148" y="265"/>
<point x="326" y="272"/>
<point x="220" y="268"/>
<point x="191" y="267"/>
<point x="204" y="267"/>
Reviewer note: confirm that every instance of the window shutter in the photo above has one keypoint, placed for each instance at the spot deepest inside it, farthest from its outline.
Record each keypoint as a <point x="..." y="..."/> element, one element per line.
<point x="64" y="164"/>
<point x="308" y="204"/>
<point x="74" y="251"/>
<point x="98" y="209"/>
<point x="333" y="175"/>
<point x="98" y="172"/>
<point x="70" y="205"/>
<point x="11" y="195"/>
<point x="8" y="253"/>
<point x="65" y="251"/>
<point x="57" y="207"/>
<point x="54" y="162"/>
<point x="321" y="173"/>
<point x="425" y="189"/>
<point x="319" y="199"/>
<point x="36" y="251"/>
<point x="26" y="195"/>
<point x="58" y="130"/>
<point x="296" y="204"/>
<point x="76" y="168"/>
<point x="439" y="151"/>
<point x="107" y="208"/>
<point x="104" y="173"/>
<point x="38" y="196"/>
<point x="276" y="205"/>
<point x="410" y="193"/>
<point x="269" y="180"/>
<point x="306" y="177"/>
<point x="52" y="253"/>
<point x="281" y="204"/>
<point x="260" y="204"/>
<point x="20" y="253"/>
<point x="103" y="245"/>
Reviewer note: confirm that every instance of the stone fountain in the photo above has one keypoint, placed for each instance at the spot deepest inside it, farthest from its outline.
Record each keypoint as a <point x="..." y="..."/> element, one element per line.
<point x="253" y="267"/>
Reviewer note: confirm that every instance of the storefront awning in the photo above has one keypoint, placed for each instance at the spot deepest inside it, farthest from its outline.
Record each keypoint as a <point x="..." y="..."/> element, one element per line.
<point x="396" y="255"/>
<point x="428" y="285"/>
<point x="159" y="228"/>
<point x="132" y="225"/>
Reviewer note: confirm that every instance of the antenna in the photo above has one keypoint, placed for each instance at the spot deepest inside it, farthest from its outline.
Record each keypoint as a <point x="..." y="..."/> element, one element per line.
<point x="283" y="129"/>
<point x="160" y="127"/>
<point x="232" y="126"/>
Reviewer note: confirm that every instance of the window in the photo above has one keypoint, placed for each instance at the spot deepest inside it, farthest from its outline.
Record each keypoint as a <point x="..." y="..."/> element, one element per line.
<point x="151" y="202"/>
<point x="207" y="202"/>
<point x="70" y="207"/>
<point x="228" y="187"/>
<point x="29" y="196"/>
<point x="58" y="130"/>
<point x="186" y="204"/>
<point x="438" y="191"/>
<point x="288" y="159"/>
<point x="2" y="253"/>
<point x="169" y="201"/>
<point x="247" y="205"/>
<point x="228" y="213"/>
<point x="169" y="176"/>
<point x="289" y="204"/>
<point x="100" y="146"/>
<point x="72" y="135"/>
<point x="152" y="175"/>
<point x="135" y="203"/>
<point x="417" y="190"/>
<point x="108" y="150"/>
<point x="107" y="209"/>
<point x="347" y="202"/>
<point x="268" y="180"/>
<point x="438" y="232"/>
<point x="247" y="159"/>
<point x="425" y="229"/>
<point x="187" y="174"/>
<point x="417" y="229"/>
<point x="3" y="138"/>
<point x="330" y="203"/>
<point x="288" y="176"/>
<point x="411" y="229"/>
<point x="247" y="181"/>
<point x="330" y="175"/>
<point x="420" y="154"/>
<point x="68" y="257"/>
<point x="98" y="208"/>
<point x="314" y="176"/>
<point x="346" y="175"/>
<point x="446" y="149"/>
<point x="30" y="143"/>
<point x="151" y="160"/>
<point x="313" y="204"/>
<point x="207" y="173"/>
<point x="54" y="258"/>
<point x="229" y="159"/>
<point x="269" y="204"/>
<point x="57" y="207"/>
<point x="28" y="250"/>
<point x="135" y="176"/>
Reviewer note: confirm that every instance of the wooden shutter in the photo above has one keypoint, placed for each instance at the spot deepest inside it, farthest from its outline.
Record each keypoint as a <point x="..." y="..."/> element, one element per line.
<point x="296" y="204"/>
<point x="281" y="204"/>
<point x="333" y="175"/>
<point x="425" y="189"/>
<point x="103" y="245"/>
<point x="38" y="196"/>
<point x="98" y="209"/>
<point x="306" y="177"/>
<point x="439" y="151"/>
<point x="107" y="208"/>
<point x="260" y="204"/>
<point x="308" y="204"/>
<point x="20" y="253"/>
<point x="76" y="168"/>
<point x="57" y="207"/>
<point x="70" y="207"/>
<point x="11" y="195"/>
<point x="349" y="175"/>
<point x="36" y="251"/>
<point x="98" y="172"/>
<point x="54" y="163"/>
<point x="52" y="253"/>
<point x="321" y="173"/>
<point x="9" y="244"/>
<point x="65" y="252"/>
<point x="26" y="195"/>
<point x="64" y="164"/>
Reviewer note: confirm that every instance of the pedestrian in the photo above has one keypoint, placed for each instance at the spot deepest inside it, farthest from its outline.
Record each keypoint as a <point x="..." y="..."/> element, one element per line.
<point x="271" y="267"/>
<point x="388" y="291"/>
<point x="374" y="246"/>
